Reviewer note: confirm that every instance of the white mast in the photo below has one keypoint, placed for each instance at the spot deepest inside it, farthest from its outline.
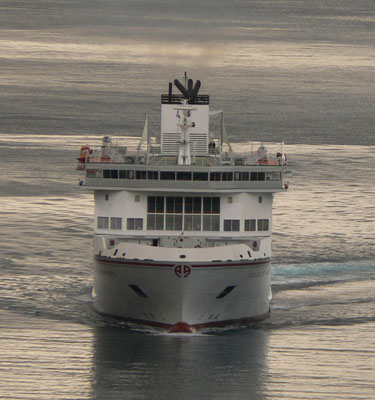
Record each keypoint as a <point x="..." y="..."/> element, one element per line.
<point x="184" y="123"/>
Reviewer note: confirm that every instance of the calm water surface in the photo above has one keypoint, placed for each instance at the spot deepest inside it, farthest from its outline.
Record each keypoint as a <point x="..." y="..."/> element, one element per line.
<point x="302" y="72"/>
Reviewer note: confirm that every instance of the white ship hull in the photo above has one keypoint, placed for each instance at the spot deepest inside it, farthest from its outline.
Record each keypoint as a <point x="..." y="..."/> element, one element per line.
<point x="183" y="295"/>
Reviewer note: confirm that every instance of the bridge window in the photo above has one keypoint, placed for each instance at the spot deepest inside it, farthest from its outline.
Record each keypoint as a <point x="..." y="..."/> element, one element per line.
<point x="211" y="205"/>
<point x="263" y="224"/>
<point x="173" y="219"/>
<point x="155" y="212"/>
<point x="155" y="204"/>
<point x="257" y="176"/>
<point x="134" y="224"/>
<point x="168" y="175"/>
<point x="110" y="173"/>
<point x="140" y="174"/>
<point x="244" y="176"/>
<point x="211" y="222"/>
<point x="200" y="176"/>
<point x="126" y="174"/>
<point x="250" y="224"/>
<point x="193" y="205"/>
<point x="173" y="222"/>
<point x="155" y="221"/>
<point x="174" y="205"/>
<point x="241" y="176"/>
<point x="193" y="210"/>
<point x="192" y="222"/>
<point x="153" y="175"/>
<point x="184" y="176"/>
<point x="227" y="176"/>
<point x="215" y="176"/>
<point x="178" y="213"/>
<point x="102" y="223"/>
<point x="116" y="223"/>
<point x="231" y="225"/>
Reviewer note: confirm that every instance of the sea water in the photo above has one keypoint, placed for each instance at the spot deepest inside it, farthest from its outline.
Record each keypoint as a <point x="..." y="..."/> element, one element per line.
<point x="301" y="72"/>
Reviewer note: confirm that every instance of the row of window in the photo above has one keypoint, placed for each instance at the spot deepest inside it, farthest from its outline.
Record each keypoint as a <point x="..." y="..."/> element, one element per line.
<point x="186" y="205"/>
<point x="249" y="225"/>
<point x="186" y="222"/>
<point x="184" y="175"/>
<point x="183" y="223"/>
<point x="113" y="222"/>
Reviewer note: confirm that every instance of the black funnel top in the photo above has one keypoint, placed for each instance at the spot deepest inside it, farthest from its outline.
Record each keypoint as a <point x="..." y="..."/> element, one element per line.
<point x="190" y="93"/>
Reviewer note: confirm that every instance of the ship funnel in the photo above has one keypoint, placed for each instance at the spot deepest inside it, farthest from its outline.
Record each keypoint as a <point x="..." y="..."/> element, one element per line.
<point x="196" y="88"/>
<point x="190" y="86"/>
<point x="191" y="92"/>
<point x="181" y="88"/>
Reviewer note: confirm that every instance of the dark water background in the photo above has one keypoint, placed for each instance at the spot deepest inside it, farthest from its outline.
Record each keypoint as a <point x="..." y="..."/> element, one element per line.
<point x="299" y="71"/>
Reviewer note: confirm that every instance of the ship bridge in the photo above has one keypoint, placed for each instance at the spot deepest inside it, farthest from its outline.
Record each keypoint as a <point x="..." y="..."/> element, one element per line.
<point x="192" y="178"/>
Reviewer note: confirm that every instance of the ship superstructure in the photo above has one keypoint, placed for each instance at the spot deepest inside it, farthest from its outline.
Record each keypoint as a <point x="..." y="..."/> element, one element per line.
<point x="183" y="224"/>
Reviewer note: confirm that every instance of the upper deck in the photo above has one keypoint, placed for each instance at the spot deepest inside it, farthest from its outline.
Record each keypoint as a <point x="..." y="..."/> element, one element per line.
<point x="209" y="174"/>
<point x="187" y="155"/>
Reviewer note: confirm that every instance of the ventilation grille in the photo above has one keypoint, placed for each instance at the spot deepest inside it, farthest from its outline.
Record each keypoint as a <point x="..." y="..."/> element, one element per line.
<point x="198" y="143"/>
<point x="170" y="143"/>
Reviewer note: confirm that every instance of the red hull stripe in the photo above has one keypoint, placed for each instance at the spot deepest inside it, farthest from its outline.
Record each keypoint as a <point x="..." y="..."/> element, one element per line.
<point x="192" y="265"/>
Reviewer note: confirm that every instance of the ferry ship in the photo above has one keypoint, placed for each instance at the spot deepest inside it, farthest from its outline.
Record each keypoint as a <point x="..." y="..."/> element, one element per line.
<point x="183" y="224"/>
